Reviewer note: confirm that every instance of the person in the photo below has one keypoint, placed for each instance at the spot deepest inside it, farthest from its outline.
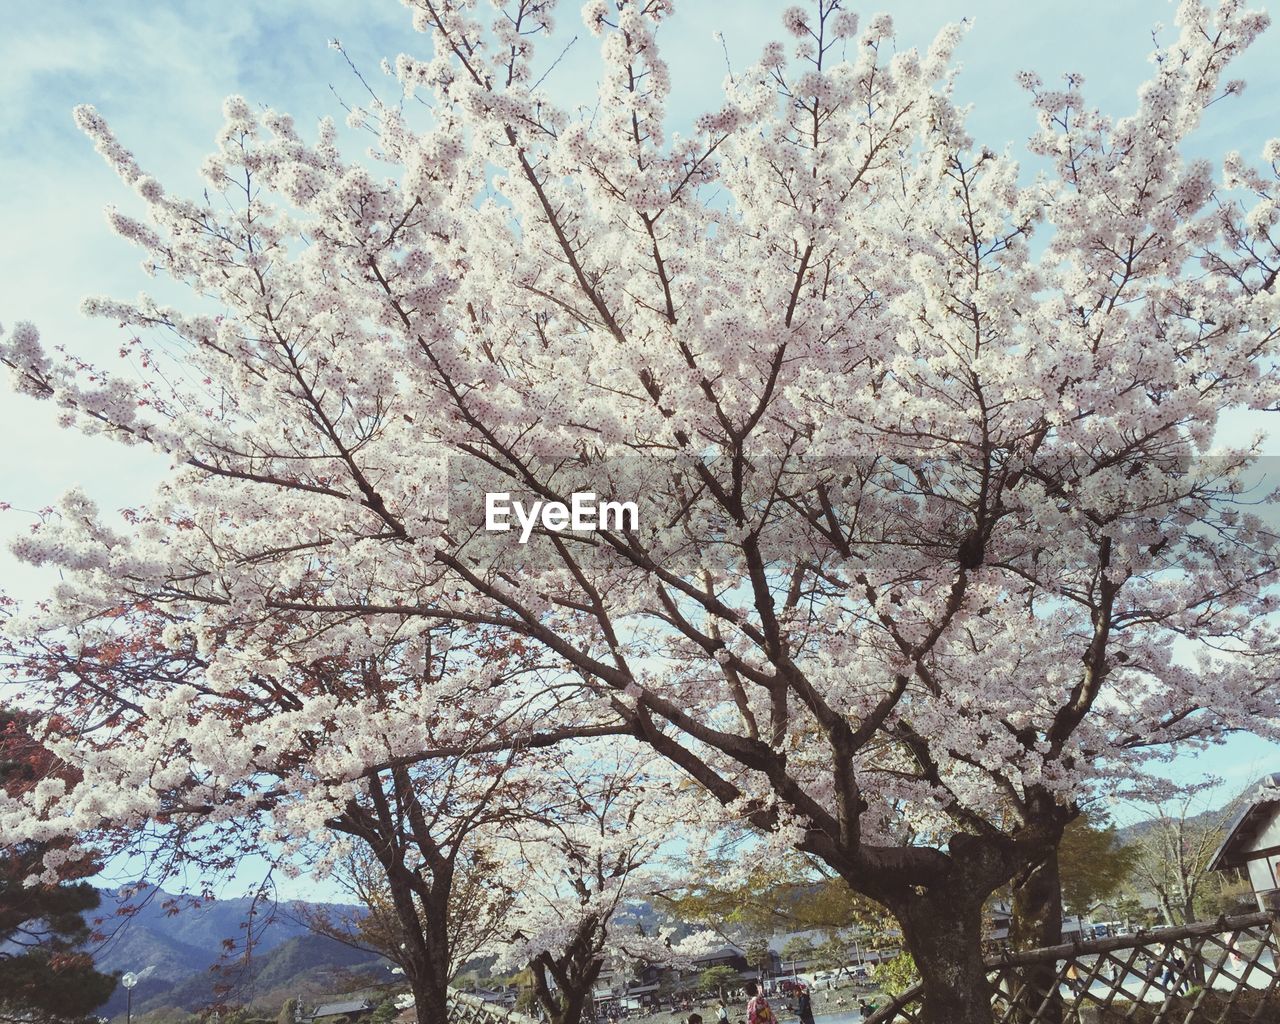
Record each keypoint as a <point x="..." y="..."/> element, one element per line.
<point x="722" y="1012"/>
<point x="1073" y="978"/>
<point x="1174" y="974"/>
<point x="866" y="1009"/>
<point x="804" y="1006"/>
<point x="695" y="1018"/>
<point x="758" y="1009"/>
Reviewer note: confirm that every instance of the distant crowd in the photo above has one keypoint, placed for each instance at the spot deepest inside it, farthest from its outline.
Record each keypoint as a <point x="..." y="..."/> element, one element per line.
<point x="758" y="1010"/>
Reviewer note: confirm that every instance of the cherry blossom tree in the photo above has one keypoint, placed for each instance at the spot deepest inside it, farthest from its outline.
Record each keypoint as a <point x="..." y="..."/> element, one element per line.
<point x="477" y="908"/>
<point x="581" y="863"/>
<point x="336" y="790"/>
<point x="934" y="534"/>
<point x="425" y="827"/>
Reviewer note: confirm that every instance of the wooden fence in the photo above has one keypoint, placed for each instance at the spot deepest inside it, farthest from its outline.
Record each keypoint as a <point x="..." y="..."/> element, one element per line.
<point x="1214" y="972"/>
<point x="465" y="1008"/>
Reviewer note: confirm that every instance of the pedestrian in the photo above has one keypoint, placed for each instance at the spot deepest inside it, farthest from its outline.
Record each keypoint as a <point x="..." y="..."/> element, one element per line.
<point x="722" y="1012"/>
<point x="804" y="1006"/>
<point x="758" y="1009"/>
<point x="1073" y="978"/>
<point x="695" y="1018"/>
<point x="1175" y="974"/>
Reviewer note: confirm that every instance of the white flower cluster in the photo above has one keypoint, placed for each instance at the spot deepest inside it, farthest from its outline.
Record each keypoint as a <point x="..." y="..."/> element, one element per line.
<point x="930" y="512"/>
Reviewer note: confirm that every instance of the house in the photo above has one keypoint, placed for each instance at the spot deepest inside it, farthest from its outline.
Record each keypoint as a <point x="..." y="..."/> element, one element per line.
<point x="505" y="996"/>
<point x="350" y="1010"/>
<point x="724" y="956"/>
<point x="1252" y="843"/>
<point x="1000" y="915"/>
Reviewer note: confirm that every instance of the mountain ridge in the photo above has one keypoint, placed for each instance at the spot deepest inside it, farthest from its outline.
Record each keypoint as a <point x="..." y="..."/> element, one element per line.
<point x="195" y="948"/>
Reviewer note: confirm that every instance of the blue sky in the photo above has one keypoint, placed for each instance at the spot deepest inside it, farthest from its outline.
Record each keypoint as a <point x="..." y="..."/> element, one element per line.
<point x="159" y="70"/>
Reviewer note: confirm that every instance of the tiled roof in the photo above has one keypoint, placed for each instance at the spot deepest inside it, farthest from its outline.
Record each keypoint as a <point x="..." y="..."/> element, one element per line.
<point x="334" y="1009"/>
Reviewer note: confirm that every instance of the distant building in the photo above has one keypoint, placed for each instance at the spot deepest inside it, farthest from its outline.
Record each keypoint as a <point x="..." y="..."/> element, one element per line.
<point x="505" y="996"/>
<point x="351" y="1010"/>
<point x="724" y="956"/>
<point x="1000" y="915"/>
<point x="1253" y="843"/>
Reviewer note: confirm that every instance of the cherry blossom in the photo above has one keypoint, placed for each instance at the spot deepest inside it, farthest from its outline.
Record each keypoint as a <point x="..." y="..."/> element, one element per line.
<point x="935" y="538"/>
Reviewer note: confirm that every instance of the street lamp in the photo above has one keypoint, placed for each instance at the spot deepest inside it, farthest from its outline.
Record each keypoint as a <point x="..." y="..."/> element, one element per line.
<point x="128" y="981"/>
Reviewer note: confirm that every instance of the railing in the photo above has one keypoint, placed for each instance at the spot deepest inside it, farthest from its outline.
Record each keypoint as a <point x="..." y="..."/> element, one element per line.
<point x="464" y="1008"/>
<point x="1214" y="972"/>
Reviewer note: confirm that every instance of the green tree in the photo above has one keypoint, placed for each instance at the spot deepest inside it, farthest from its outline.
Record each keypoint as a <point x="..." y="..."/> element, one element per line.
<point x="758" y="955"/>
<point x="288" y="1011"/>
<point x="385" y="1013"/>
<point x="1227" y="893"/>
<point x="790" y="893"/>
<point x="1093" y="863"/>
<point x="527" y="999"/>
<point x="798" y="947"/>
<point x="897" y="975"/>
<point x="1128" y="908"/>
<point x="718" y="979"/>
<point x="45" y="974"/>
<point x="832" y="955"/>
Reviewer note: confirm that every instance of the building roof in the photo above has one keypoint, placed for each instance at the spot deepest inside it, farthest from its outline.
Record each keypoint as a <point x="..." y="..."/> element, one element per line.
<point x="335" y="1009"/>
<point x="721" y="953"/>
<point x="1247" y="823"/>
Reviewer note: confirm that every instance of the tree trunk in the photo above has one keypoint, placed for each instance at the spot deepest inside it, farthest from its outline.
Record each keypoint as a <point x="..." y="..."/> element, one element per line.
<point x="432" y="975"/>
<point x="430" y="999"/>
<point x="1036" y="923"/>
<point x="567" y="1004"/>
<point x="943" y="930"/>
<point x="575" y="974"/>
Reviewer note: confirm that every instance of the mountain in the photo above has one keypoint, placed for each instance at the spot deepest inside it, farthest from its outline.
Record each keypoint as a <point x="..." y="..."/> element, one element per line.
<point x="1211" y="818"/>
<point x="308" y="966"/>
<point x="184" y="943"/>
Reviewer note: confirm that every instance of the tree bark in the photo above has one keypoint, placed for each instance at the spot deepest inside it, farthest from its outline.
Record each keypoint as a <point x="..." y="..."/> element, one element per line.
<point x="942" y="928"/>
<point x="574" y="972"/>
<point x="567" y="1004"/>
<point x="430" y="999"/>
<point x="432" y="976"/>
<point x="1036" y="923"/>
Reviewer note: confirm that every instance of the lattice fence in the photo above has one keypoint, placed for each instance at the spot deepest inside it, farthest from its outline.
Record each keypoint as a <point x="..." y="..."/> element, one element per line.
<point x="465" y="1008"/>
<point x="1215" y="972"/>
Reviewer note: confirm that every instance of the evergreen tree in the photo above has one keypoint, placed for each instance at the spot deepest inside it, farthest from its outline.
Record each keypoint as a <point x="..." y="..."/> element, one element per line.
<point x="45" y="976"/>
<point x="385" y="1013"/>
